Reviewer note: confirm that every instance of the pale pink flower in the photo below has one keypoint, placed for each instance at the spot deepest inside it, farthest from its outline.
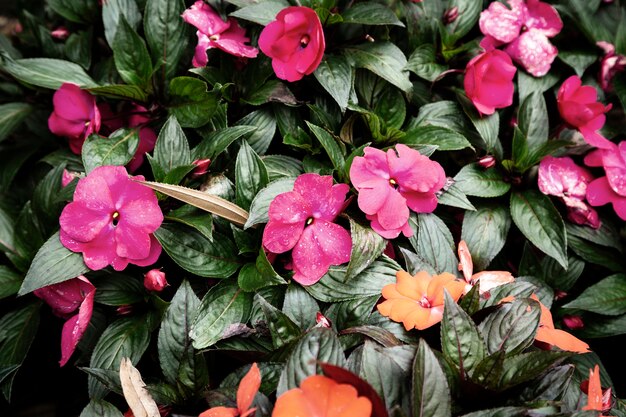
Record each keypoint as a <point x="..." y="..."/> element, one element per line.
<point x="75" y="115"/>
<point x="610" y="65"/>
<point x="65" y="298"/>
<point x="525" y="28"/>
<point x="213" y="32"/>
<point x="389" y="183"/>
<point x="111" y="220"/>
<point x="579" y="107"/>
<point x="562" y="178"/>
<point x="302" y="220"/>
<point x="155" y="280"/>
<point x="488" y="81"/>
<point x="294" y="41"/>
<point x="612" y="187"/>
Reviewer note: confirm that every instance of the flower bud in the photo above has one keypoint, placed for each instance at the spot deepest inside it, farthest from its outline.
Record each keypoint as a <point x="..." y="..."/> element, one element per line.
<point x="487" y="161"/>
<point x="124" y="310"/>
<point x="559" y="294"/>
<point x="573" y="322"/>
<point x="450" y="15"/>
<point x="155" y="280"/>
<point x="202" y="167"/>
<point x="322" y="321"/>
<point x="61" y="33"/>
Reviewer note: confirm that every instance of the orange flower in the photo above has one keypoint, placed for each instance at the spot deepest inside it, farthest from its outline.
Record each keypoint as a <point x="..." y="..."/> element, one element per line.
<point x="488" y="279"/>
<point x="596" y="398"/>
<point x="248" y="387"/>
<point x="320" y="396"/>
<point x="417" y="301"/>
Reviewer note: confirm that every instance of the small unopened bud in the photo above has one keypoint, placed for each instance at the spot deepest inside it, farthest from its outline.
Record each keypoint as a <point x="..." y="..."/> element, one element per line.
<point x="487" y="161"/>
<point x="61" y="33"/>
<point x="559" y="295"/>
<point x="202" y="167"/>
<point x="450" y="15"/>
<point x="573" y="322"/>
<point x="124" y="310"/>
<point x="68" y="176"/>
<point x="155" y="280"/>
<point x="322" y="321"/>
<point x="369" y="38"/>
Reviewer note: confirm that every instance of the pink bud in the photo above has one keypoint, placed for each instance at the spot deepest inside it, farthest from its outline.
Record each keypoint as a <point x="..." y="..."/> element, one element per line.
<point x="573" y="322"/>
<point x="61" y="33"/>
<point x="124" y="310"/>
<point x="559" y="294"/>
<point x="67" y="177"/>
<point x="487" y="161"/>
<point x="450" y="15"/>
<point x="155" y="280"/>
<point x="202" y="167"/>
<point x="322" y="321"/>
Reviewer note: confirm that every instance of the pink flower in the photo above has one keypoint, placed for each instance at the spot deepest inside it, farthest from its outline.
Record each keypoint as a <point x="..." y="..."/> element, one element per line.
<point x="75" y="115"/>
<point x="489" y="81"/>
<point x="154" y="280"/>
<point x="612" y="187"/>
<point x="295" y="42"/>
<point x="573" y="322"/>
<point x="580" y="110"/>
<point x="61" y="33"/>
<point x="610" y="65"/>
<point x="302" y="220"/>
<point x="65" y="298"/>
<point x="111" y="220"/>
<point x="390" y="183"/>
<point x="213" y="32"/>
<point x="562" y="178"/>
<point x="525" y="27"/>
<point x="202" y="167"/>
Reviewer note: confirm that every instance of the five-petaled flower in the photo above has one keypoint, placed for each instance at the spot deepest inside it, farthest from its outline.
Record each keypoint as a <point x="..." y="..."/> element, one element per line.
<point x="294" y="41"/>
<point x="213" y="32"/>
<point x="302" y="220"/>
<point x="488" y="279"/>
<point x="612" y="187"/>
<point x="488" y="81"/>
<point x="111" y="220"/>
<point x="248" y="387"/>
<point x="389" y="183"/>
<point x="75" y="115"/>
<point x="320" y="396"/>
<point x="525" y="28"/>
<point x="418" y="301"/>
<point x="65" y="298"/>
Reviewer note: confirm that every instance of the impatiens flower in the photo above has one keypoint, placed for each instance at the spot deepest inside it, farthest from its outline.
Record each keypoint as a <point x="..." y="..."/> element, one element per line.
<point x="562" y="178"/>
<point x="610" y="65"/>
<point x="248" y="387"/>
<point x="547" y="334"/>
<point x="111" y="220"/>
<point x="612" y="187"/>
<point x="302" y="220"/>
<point x="390" y="183"/>
<point x="524" y="27"/>
<point x="75" y="115"/>
<point x="488" y="81"/>
<point x="213" y="32"/>
<point x="320" y="396"/>
<point x="154" y="280"/>
<point x="65" y="298"/>
<point x="597" y="398"/>
<point x="202" y="167"/>
<point x="580" y="109"/>
<point x="417" y="301"/>
<point x="573" y="322"/>
<point x="294" y="41"/>
<point x="488" y="279"/>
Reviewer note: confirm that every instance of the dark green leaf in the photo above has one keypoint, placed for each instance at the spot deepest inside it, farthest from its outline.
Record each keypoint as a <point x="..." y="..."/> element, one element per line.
<point x="526" y="366"/>
<point x="265" y="124"/>
<point x="47" y="72"/>
<point x="476" y="181"/>
<point x="609" y="258"/>
<point x="192" y="217"/>
<point x="78" y="48"/>
<point x="549" y="386"/>
<point x="605" y="297"/>
<point x="468" y="12"/>
<point x="260" y="274"/>
<point x="131" y="56"/>
<point x="118" y="149"/>
<point x="261" y="13"/>
<point x="300" y="306"/>
<point x="423" y="63"/>
<point x="10" y="282"/>
<point x="190" y="101"/>
<point x="454" y="197"/>
<point x="512" y="327"/>
<point x="606" y="235"/>
<point x="271" y="91"/>
<point x="367" y="245"/>
<point x="166" y="33"/>
<point x="604" y="326"/>
<point x="430" y="391"/>
<point x="444" y="139"/>
<point x="350" y="313"/>
<point x="250" y="175"/>
<point x="109" y="378"/>
<point x="337" y="77"/>
<point x="487" y="127"/>
<point x="534" y="214"/>
<point x="579" y="61"/>
<point x="499" y="412"/>
<point x="329" y="143"/>
<point x="261" y="203"/>
<point x="172" y="149"/>
<point x="120" y="91"/>
<point x="79" y="11"/>
<point x="13" y="160"/>
<point x="11" y="117"/>
<point x="433" y="242"/>
<point x="270" y="372"/>
<point x="282" y="329"/>
<point x="100" y="408"/>
<point x="384" y="59"/>
<point x="381" y="371"/>
<point x="217" y="141"/>
<point x="282" y="166"/>
<point x="111" y="12"/>
<point x="371" y="13"/>
<point x="485" y="231"/>
<point x="558" y="278"/>
<point x="517" y="289"/>
<point x="533" y="120"/>
<point x="528" y="84"/>
<point x="116" y="289"/>
<point x="382" y="336"/>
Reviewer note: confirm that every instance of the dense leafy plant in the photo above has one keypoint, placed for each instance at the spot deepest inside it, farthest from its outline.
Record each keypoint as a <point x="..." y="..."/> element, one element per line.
<point x="384" y="207"/>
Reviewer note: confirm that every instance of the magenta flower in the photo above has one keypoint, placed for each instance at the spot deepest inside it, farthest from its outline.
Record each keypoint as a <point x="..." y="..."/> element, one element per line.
<point x="562" y="178"/>
<point x="390" y="183"/>
<point x="525" y="28"/>
<point x="295" y="42"/>
<point x="302" y="220"/>
<point x="75" y="115"/>
<point x="580" y="110"/>
<point x="65" y="298"/>
<point x="111" y="220"/>
<point x="610" y="65"/>
<point x="488" y="81"/>
<point x="155" y="280"/>
<point x="213" y="32"/>
<point x="612" y="187"/>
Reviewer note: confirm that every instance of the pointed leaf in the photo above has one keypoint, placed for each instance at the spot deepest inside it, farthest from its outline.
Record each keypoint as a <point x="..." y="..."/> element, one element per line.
<point x="166" y="33"/>
<point x="512" y="327"/>
<point x="250" y="175"/>
<point x="131" y="56"/>
<point x="384" y="59"/>
<point x="475" y="181"/>
<point x="191" y="102"/>
<point x="337" y="77"/>
<point x="282" y="329"/>
<point x="172" y="148"/>
<point x="118" y="149"/>
<point x="430" y="391"/>
<point x="137" y="396"/>
<point x="367" y="245"/>
<point x="433" y="242"/>
<point x="606" y="297"/>
<point x="261" y="203"/>
<point x="485" y="231"/>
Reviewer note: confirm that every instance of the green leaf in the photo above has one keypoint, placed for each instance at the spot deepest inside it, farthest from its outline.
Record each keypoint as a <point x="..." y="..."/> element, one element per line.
<point x="487" y="127"/>
<point x="478" y="182"/>
<point x="517" y="289"/>
<point x="250" y="175"/>
<point x="100" y="408"/>
<point x="78" y="11"/>
<point x="512" y="327"/>
<point x="351" y="313"/>
<point x="453" y="197"/>
<point x="47" y="72"/>
<point x="120" y="91"/>
<point x="320" y="344"/>
<point x="371" y="13"/>
<point x="337" y="77"/>
<point x="282" y="166"/>
<point x="606" y="235"/>
<point x="282" y="329"/>
<point x="499" y="412"/>
<point x="606" y="297"/>
<point x="179" y="362"/>
<point x="270" y="372"/>
<point x="329" y="143"/>
<point x="271" y="91"/>
<point x="430" y="392"/>
<point x="468" y="12"/>
<point x="300" y="306"/>
<point x="192" y="217"/>
<point x="556" y="277"/>
<point x="172" y="149"/>
<point x="10" y="282"/>
<point x="166" y="33"/>
<point x="11" y="117"/>
<point x="485" y="231"/>
<point x="526" y="366"/>
<point x="224" y="307"/>
<point x="191" y="102"/>
<point x="534" y="214"/>
<point x="532" y="120"/>
<point x="111" y="12"/>
<point x="261" y="203"/>
<point x="603" y="326"/>
<point x="433" y="242"/>
<point x="528" y="84"/>
<point x="13" y="159"/>
<point x="118" y="149"/>
<point x="265" y="123"/>
<point x="131" y="56"/>
<point x="78" y="48"/>
<point x="391" y="107"/>
<point x="196" y="254"/>
<point x="52" y="264"/>
<point x="116" y="289"/>
<point x="549" y="386"/>
<point x="383" y="373"/>
<point x="444" y="139"/>
<point x="423" y="63"/>
<point x="384" y="59"/>
<point x="367" y="245"/>
<point x="124" y="338"/>
<point x="600" y="255"/>
<point x="262" y="13"/>
<point x="332" y="287"/>
<point x="461" y="343"/>
<point x="260" y="274"/>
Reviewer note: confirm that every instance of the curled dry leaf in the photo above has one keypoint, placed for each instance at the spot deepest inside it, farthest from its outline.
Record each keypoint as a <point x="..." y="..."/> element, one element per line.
<point x="137" y="396"/>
